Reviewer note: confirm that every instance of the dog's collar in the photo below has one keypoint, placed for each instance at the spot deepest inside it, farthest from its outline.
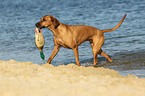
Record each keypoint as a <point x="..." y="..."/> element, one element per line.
<point x="57" y="25"/>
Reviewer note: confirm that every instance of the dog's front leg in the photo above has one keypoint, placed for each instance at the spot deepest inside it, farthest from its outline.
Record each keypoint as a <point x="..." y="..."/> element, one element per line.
<point x="54" y="52"/>
<point x="76" y="55"/>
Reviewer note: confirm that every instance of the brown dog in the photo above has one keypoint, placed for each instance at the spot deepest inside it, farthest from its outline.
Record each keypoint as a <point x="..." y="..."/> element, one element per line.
<point x="71" y="36"/>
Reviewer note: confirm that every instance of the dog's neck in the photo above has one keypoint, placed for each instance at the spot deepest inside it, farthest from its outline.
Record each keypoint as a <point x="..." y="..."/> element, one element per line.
<point x="56" y="31"/>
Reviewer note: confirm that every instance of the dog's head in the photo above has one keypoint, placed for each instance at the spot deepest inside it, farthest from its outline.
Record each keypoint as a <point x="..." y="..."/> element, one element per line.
<point x="48" y="21"/>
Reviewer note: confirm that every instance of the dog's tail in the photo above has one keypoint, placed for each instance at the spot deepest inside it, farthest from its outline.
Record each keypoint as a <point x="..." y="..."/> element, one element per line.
<point x="108" y="30"/>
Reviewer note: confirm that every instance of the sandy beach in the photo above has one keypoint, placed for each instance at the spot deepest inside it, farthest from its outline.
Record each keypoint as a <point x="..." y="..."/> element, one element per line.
<point x="28" y="79"/>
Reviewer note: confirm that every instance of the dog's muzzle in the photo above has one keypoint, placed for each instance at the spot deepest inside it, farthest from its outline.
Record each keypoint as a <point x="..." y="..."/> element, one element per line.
<point x="37" y="25"/>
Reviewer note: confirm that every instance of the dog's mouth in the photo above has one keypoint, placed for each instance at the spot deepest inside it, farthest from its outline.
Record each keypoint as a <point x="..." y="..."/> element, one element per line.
<point x="42" y="27"/>
<point x="39" y="29"/>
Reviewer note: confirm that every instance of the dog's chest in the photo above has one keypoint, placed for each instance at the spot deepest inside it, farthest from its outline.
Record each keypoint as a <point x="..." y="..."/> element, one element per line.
<point x="59" y="40"/>
<point x="65" y="42"/>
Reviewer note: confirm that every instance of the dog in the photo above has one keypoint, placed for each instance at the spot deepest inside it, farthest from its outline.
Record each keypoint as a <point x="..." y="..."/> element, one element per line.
<point x="71" y="36"/>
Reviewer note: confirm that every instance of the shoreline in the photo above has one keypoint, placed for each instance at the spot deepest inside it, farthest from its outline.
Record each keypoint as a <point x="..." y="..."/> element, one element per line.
<point x="28" y="79"/>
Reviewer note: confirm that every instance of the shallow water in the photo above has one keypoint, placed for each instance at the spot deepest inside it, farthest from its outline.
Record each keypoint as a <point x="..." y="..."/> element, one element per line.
<point x="125" y="45"/>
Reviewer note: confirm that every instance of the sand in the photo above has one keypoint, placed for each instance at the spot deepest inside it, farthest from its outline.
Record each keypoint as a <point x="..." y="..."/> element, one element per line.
<point x="28" y="79"/>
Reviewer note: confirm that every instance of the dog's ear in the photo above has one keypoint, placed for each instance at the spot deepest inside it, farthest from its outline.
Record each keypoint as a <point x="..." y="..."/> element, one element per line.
<point x="55" y="22"/>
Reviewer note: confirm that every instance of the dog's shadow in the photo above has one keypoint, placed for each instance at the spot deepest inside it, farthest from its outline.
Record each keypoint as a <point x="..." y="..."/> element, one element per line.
<point x="102" y="61"/>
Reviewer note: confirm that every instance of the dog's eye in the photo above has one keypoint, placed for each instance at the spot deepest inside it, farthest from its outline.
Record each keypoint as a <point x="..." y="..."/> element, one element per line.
<point x="44" y="19"/>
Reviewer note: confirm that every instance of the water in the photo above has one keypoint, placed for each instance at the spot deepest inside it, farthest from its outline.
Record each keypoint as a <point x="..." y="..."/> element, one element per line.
<point x="125" y="45"/>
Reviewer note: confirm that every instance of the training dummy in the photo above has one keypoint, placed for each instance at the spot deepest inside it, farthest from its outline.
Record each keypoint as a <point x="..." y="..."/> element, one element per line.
<point x="39" y="41"/>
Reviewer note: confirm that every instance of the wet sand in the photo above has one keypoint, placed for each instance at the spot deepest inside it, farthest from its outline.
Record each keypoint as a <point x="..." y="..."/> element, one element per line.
<point x="28" y="79"/>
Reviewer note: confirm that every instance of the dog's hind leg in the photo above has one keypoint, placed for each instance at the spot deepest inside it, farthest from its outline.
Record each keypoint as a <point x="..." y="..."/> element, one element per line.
<point x="96" y="47"/>
<point x="104" y="55"/>
<point x="101" y="53"/>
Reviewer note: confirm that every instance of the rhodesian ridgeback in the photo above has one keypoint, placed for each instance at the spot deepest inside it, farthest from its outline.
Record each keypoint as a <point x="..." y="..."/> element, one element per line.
<point x="71" y="36"/>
